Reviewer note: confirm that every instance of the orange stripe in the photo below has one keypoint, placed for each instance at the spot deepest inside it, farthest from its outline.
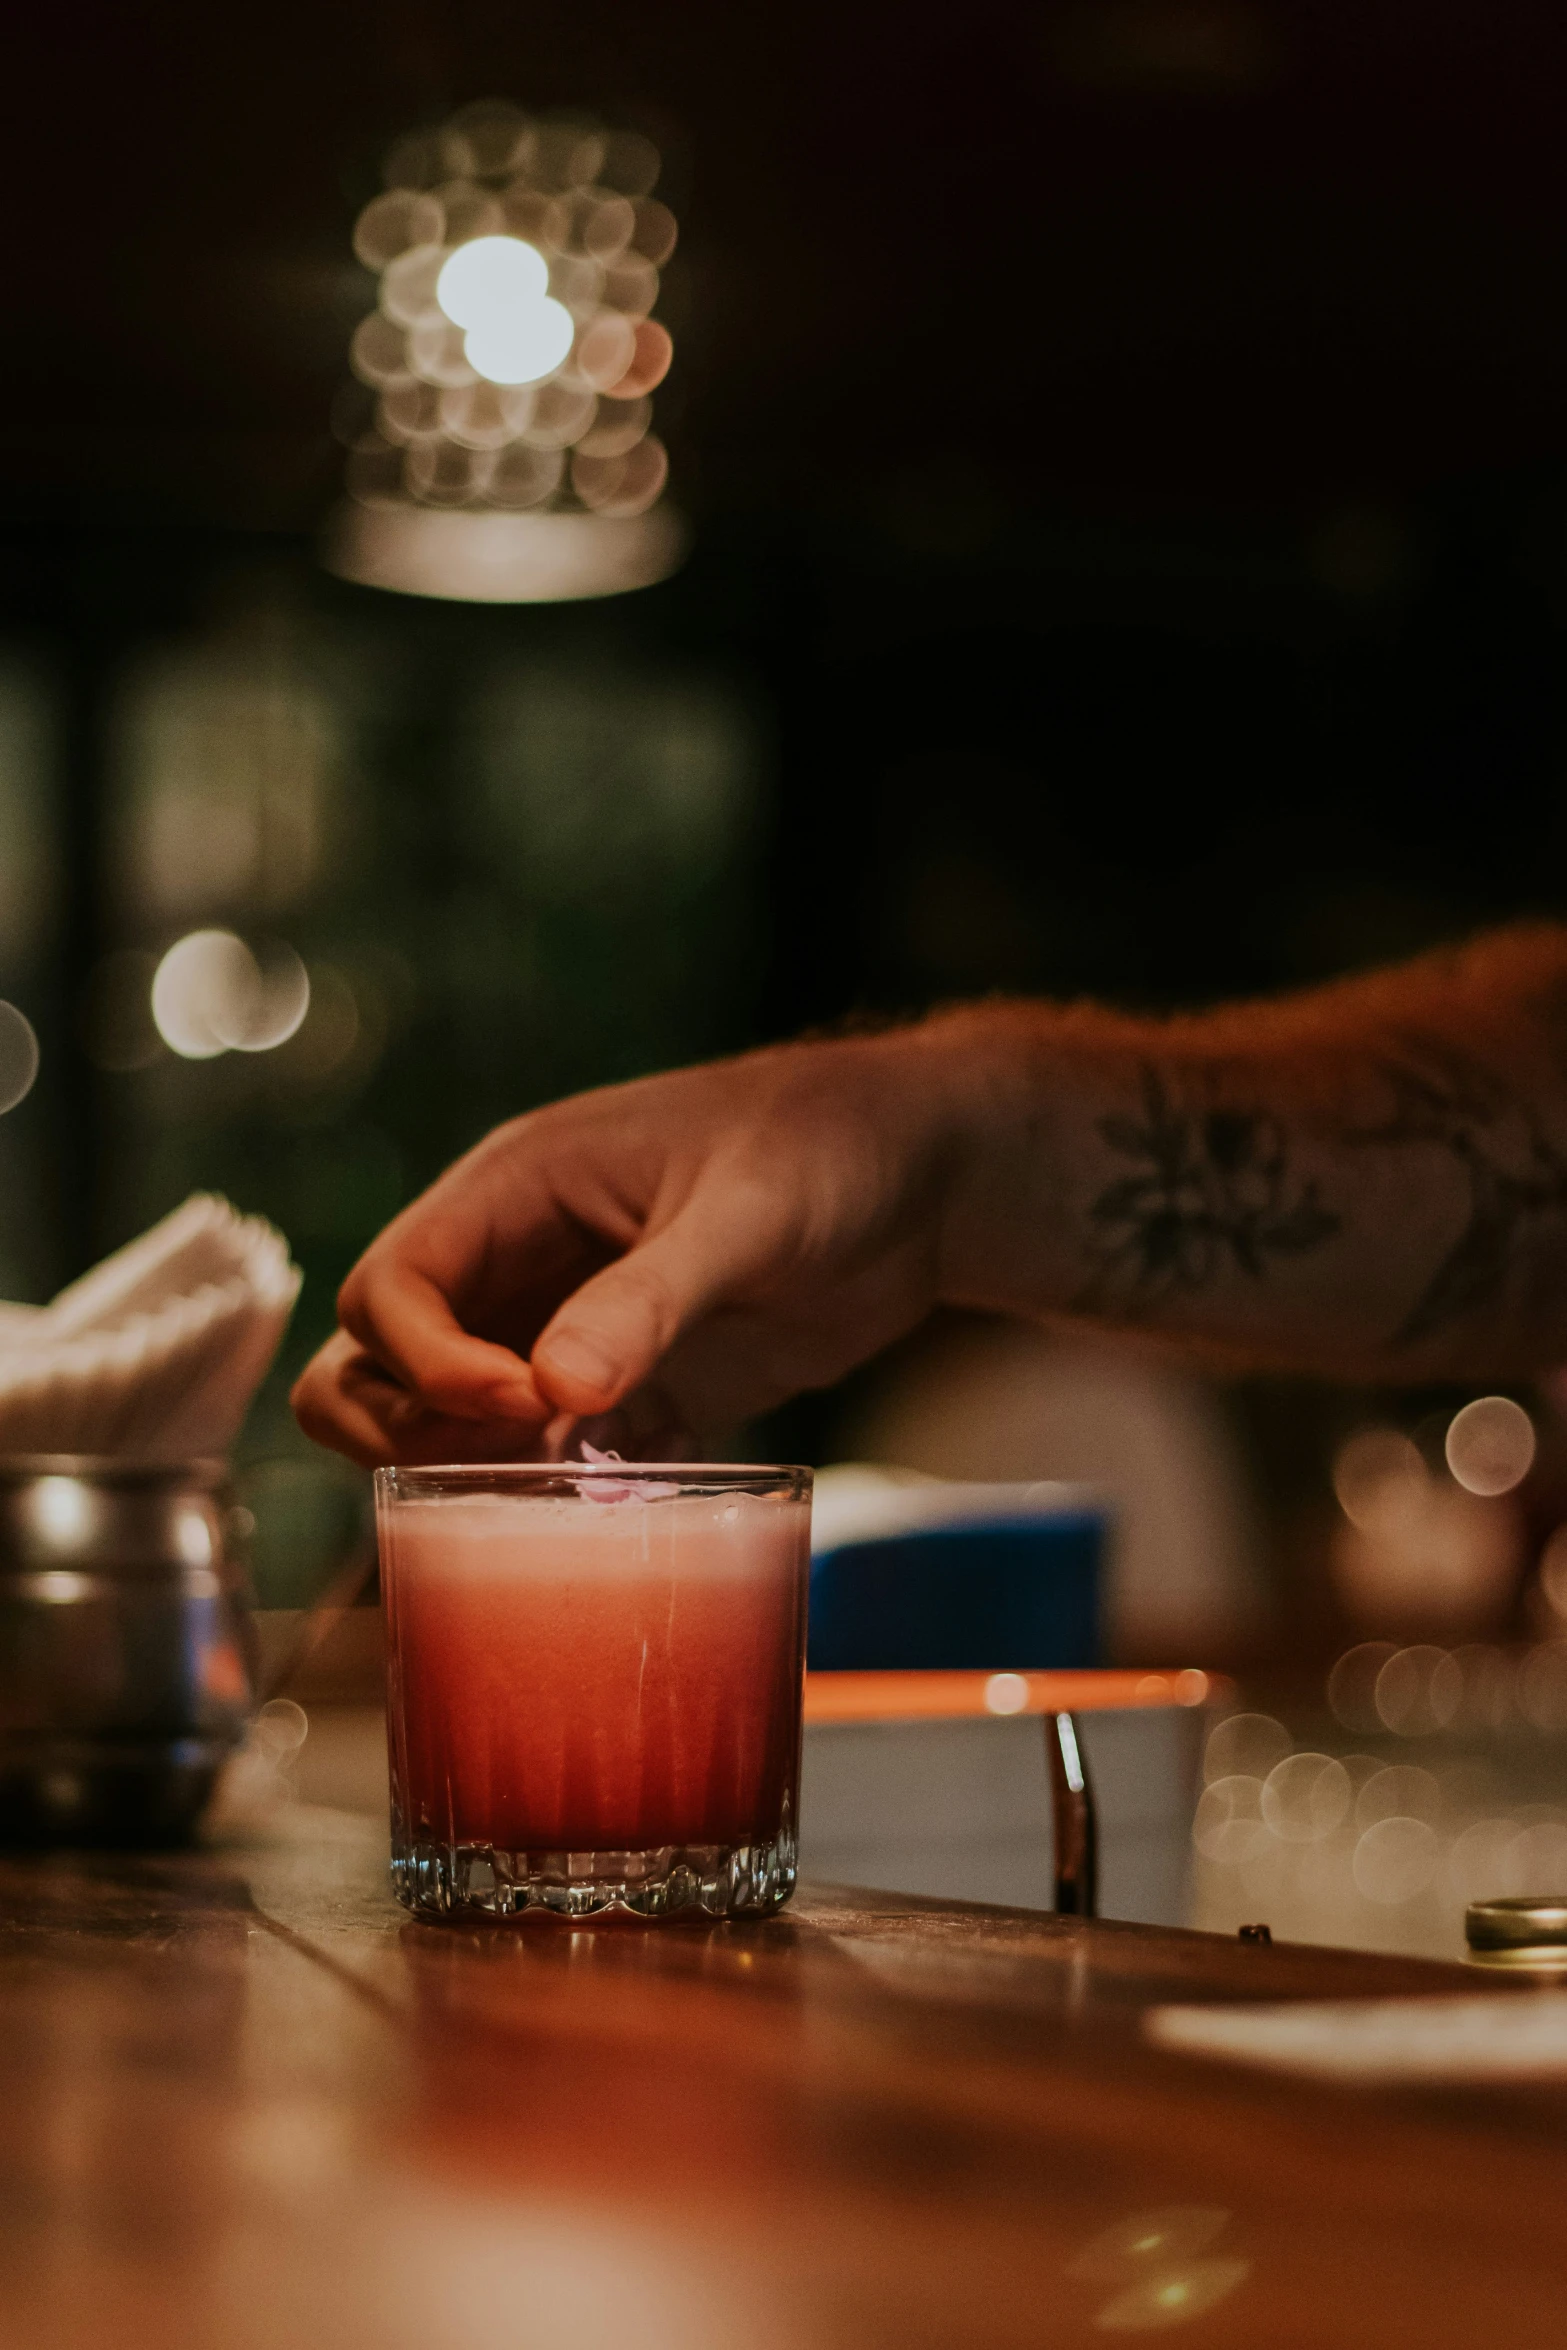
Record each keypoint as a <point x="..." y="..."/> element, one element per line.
<point x="913" y="1697"/>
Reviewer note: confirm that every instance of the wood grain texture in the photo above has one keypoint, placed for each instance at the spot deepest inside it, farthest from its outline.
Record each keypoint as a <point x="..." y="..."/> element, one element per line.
<point x="245" y="2102"/>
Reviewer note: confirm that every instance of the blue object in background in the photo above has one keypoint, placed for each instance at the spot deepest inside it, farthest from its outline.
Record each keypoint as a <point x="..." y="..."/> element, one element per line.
<point x="1021" y="1595"/>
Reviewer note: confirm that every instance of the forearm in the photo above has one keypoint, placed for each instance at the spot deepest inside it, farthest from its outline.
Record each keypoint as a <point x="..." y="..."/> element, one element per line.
<point x="1369" y="1180"/>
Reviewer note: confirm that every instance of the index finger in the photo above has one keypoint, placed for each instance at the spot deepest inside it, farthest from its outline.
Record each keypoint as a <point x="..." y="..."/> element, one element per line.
<point x="403" y="1317"/>
<point x="346" y="1399"/>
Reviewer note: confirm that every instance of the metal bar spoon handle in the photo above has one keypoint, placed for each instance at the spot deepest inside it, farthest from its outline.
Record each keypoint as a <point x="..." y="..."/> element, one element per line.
<point x="1072" y="1815"/>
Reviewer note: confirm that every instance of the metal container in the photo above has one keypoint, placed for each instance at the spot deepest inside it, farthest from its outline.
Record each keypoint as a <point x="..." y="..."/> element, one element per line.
<point x="126" y="1648"/>
<point x="1519" y="1934"/>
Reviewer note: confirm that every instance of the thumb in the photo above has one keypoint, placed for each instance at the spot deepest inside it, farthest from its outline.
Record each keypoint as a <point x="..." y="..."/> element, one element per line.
<point x="611" y="1334"/>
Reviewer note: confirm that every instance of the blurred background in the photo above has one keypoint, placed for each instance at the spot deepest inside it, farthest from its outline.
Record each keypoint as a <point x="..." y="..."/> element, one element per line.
<point x="1122" y="444"/>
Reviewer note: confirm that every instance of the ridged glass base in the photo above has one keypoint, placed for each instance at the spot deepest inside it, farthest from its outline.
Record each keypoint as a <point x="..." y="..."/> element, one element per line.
<point x="711" y="1880"/>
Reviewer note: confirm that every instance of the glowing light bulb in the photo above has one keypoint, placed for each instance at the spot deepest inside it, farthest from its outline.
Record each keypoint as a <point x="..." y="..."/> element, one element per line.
<point x="487" y="281"/>
<point x="522" y="347"/>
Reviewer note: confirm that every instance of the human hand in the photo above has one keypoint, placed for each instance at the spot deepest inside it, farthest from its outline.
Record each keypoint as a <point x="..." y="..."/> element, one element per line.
<point x="682" y="1252"/>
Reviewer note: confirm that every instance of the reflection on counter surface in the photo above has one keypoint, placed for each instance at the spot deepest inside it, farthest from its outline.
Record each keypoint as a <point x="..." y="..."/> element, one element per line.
<point x="1426" y="1779"/>
<point x="1156" y="2260"/>
<point x="247" y="2102"/>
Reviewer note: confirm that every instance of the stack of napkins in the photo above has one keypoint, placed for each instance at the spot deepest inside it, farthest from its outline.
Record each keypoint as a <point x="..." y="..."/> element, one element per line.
<point x="156" y="1353"/>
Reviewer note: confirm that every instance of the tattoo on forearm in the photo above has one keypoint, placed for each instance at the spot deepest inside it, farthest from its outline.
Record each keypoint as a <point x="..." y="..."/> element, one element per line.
<point x="1208" y="1188"/>
<point x="1516" y="1175"/>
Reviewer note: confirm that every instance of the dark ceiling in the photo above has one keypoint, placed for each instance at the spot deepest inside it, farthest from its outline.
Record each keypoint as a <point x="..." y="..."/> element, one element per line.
<point x="1258" y="254"/>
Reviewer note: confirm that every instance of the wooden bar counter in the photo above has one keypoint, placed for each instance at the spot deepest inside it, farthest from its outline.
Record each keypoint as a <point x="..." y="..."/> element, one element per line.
<point x="246" y="2102"/>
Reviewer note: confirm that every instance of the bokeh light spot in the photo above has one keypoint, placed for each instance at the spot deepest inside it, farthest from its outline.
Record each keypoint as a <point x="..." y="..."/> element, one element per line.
<point x="1418" y="1690"/>
<point x="1378" y="1476"/>
<point x="1352" y="1684"/>
<point x="210" y="995"/>
<point x="1172" y="2299"/>
<point x="522" y="348"/>
<point x="1251" y="1743"/>
<point x="621" y="487"/>
<point x="1553" y="1572"/>
<point x="1174" y="2232"/>
<point x="1542" y="1686"/>
<point x="392" y="223"/>
<point x="280" y="1728"/>
<point x="488" y="279"/>
<point x="1399" y="1790"/>
<point x="654" y="352"/>
<point x="408" y="285"/>
<point x="18" y="1057"/>
<point x="1229" y="1826"/>
<point x="1395" y="1860"/>
<point x="1304" y="1797"/>
<point x="1490" y="1445"/>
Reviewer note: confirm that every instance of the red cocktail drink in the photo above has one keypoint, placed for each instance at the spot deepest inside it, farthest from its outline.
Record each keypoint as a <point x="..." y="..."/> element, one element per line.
<point x="594" y="1685"/>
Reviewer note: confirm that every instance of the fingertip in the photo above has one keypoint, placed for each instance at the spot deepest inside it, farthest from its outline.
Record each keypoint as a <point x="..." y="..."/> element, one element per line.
<point x="576" y="1374"/>
<point x="506" y="1391"/>
<point x="508" y="1408"/>
<point x="335" y="1421"/>
<point x="469" y="1378"/>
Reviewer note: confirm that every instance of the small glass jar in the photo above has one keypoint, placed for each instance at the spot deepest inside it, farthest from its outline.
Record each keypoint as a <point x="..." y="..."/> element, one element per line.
<point x="595" y="1676"/>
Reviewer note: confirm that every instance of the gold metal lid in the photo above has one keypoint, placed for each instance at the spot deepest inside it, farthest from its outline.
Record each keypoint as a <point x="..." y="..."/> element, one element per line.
<point x="1524" y="1932"/>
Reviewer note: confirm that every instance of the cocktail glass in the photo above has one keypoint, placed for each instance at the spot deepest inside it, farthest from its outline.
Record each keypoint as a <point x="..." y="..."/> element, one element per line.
<point x="594" y="1686"/>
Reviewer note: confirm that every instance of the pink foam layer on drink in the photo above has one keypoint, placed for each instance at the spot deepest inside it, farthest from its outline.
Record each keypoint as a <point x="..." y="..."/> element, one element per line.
<point x="587" y="1676"/>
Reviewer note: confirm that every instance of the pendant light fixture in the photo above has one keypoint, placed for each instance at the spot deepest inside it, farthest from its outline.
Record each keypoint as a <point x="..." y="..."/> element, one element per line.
<point x="499" y="426"/>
